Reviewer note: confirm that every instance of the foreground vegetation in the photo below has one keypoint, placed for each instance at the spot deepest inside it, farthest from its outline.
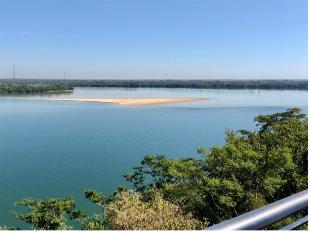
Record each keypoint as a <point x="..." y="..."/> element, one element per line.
<point x="252" y="169"/>
<point x="196" y="84"/>
<point x="19" y="88"/>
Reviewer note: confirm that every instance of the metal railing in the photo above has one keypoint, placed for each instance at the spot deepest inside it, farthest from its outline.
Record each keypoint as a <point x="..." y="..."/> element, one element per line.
<point x="269" y="214"/>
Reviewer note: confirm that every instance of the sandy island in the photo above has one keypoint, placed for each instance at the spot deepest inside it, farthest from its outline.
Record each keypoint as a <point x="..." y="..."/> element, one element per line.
<point x="132" y="101"/>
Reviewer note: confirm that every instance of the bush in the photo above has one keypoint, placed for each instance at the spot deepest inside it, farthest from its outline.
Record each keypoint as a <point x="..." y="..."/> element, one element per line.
<point x="131" y="212"/>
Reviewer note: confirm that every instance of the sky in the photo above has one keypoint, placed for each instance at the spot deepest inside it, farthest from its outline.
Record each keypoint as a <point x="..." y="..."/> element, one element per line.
<point x="154" y="39"/>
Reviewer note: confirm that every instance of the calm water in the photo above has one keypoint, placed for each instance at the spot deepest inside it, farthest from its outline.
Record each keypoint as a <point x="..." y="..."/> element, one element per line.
<point x="54" y="149"/>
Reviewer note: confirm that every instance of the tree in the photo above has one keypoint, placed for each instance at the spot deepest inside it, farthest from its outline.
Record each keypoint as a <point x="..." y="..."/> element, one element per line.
<point x="252" y="169"/>
<point x="8" y="228"/>
<point x="178" y="180"/>
<point x="96" y="222"/>
<point x="50" y="214"/>
<point x="23" y="88"/>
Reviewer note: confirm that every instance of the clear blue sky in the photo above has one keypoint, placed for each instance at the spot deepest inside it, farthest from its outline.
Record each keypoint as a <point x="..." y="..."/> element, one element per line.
<point x="188" y="39"/>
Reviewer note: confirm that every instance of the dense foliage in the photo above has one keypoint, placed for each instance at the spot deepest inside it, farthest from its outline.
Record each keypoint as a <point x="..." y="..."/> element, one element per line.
<point x="19" y="88"/>
<point x="131" y="212"/>
<point x="51" y="214"/>
<point x="196" y="84"/>
<point x="252" y="169"/>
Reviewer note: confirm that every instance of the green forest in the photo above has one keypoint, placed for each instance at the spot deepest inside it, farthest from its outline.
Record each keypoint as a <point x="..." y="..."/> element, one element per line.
<point x="31" y="88"/>
<point x="252" y="169"/>
<point x="195" y="84"/>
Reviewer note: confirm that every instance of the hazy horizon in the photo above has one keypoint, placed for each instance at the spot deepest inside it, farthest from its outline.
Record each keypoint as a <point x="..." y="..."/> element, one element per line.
<point x="163" y="39"/>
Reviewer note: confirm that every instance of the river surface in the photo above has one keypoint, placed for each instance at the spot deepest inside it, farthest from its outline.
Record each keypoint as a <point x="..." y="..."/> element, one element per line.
<point x="60" y="148"/>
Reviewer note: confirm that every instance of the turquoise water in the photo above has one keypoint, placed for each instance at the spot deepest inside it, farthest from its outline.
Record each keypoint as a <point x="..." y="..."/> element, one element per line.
<point x="54" y="148"/>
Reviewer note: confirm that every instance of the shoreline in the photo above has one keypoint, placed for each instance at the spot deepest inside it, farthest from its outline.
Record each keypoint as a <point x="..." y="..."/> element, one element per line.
<point x="132" y="101"/>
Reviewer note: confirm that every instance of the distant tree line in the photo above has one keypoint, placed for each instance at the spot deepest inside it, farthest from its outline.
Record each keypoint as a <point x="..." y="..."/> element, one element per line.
<point x="252" y="169"/>
<point x="195" y="84"/>
<point x="31" y="88"/>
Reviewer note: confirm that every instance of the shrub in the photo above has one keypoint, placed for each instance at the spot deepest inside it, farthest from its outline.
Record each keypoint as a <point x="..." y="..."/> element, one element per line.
<point x="130" y="212"/>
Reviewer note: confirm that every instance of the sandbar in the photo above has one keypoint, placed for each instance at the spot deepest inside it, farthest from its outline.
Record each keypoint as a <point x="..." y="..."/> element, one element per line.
<point x="131" y="101"/>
